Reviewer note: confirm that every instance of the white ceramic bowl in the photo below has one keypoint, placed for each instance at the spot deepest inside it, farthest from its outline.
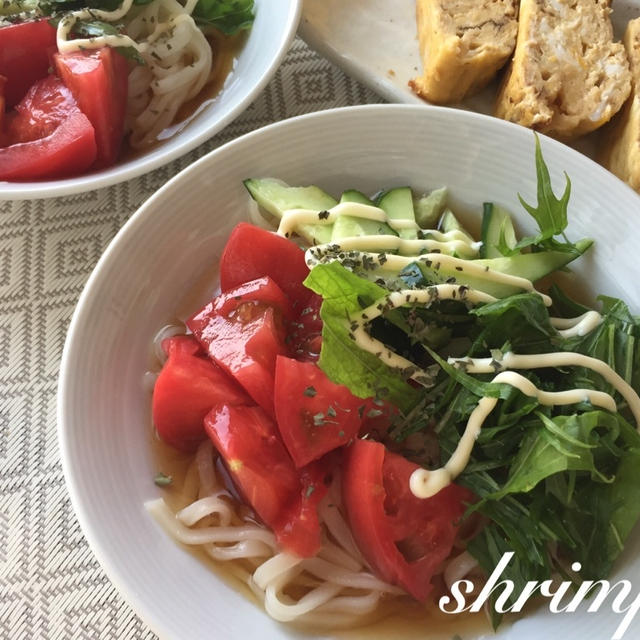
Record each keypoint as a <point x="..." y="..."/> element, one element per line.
<point x="273" y="30"/>
<point x="177" y="237"/>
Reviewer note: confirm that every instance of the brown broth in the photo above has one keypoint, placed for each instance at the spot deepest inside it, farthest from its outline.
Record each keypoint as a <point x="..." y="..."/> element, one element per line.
<point x="398" y="618"/>
<point x="182" y="491"/>
<point x="225" y="52"/>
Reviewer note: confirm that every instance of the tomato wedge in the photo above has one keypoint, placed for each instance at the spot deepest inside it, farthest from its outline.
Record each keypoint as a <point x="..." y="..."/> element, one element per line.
<point x="187" y="388"/>
<point x="263" y="290"/>
<point x="98" y="79"/>
<point x="252" y="252"/>
<point x="24" y="56"/>
<point x="284" y="498"/>
<point x="403" y="538"/>
<point x="182" y="344"/>
<point x="314" y="415"/>
<point x="306" y="330"/>
<point x="3" y="84"/>
<point x="244" y="342"/>
<point x="48" y="136"/>
<point x="45" y="107"/>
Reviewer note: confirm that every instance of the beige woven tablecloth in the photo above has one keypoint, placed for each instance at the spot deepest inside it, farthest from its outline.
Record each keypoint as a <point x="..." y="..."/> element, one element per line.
<point x="51" y="585"/>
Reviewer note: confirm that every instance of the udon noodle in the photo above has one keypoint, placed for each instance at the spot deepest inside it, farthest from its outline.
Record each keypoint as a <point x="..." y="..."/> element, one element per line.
<point x="178" y="59"/>
<point x="334" y="589"/>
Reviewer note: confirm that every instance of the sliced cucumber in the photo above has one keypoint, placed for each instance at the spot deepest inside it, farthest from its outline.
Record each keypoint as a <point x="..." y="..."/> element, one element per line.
<point x="535" y="266"/>
<point x="449" y="222"/>
<point x="531" y="266"/>
<point x="398" y="205"/>
<point x="429" y="208"/>
<point x="351" y="226"/>
<point x="353" y="195"/>
<point x="276" y="198"/>
<point x="497" y="230"/>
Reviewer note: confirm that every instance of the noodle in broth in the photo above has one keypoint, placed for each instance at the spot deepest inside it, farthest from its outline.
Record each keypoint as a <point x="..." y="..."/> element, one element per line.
<point x="333" y="590"/>
<point x="178" y="60"/>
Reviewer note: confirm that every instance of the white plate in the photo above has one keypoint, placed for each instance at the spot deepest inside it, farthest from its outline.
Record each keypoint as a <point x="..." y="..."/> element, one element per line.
<point x="266" y="45"/>
<point x="376" y="42"/>
<point x="176" y="238"/>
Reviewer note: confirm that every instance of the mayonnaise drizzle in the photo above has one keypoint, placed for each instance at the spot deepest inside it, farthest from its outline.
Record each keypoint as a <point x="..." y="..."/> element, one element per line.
<point x="424" y="483"/>
<point x="395" y="299"/>
<point x="437" y="261"/>
<point x="580" y="326"/>
<point x="452" y="241"/>
<point x="561" y="359"/>
<point x="293" y="218"/>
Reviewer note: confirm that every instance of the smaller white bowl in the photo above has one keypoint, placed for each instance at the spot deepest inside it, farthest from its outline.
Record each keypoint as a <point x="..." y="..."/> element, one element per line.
<point x="267" y="43"/>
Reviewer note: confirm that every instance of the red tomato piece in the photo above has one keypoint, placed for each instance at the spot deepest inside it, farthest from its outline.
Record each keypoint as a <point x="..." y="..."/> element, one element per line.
<point x="252" y="252"/>
<point x="404" y="538"/>
<point x="314" y="415"/>
<point x="244" y="335"/>
<point x="377" y="417"/>
<point x="98" y="79"/>
<point x="284" y="499"/>
<point x="306" y="330"/>
<point x="245" y="344"/>
<point x="45" y="107"/>
<point x="3" y="83"/>
<point x="182" y="344"/>
<point x="299" y="531"/>
<point x="261" y="290"/>
<point x="48" y="136"/>
<point x="187" y="388"/>
<point x="24" y="56"/>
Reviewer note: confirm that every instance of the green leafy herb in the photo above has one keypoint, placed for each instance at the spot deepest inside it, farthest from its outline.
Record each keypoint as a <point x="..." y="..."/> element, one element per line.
<point x="95" y="28"/>
<point x="310" y="392"/>
<point x="550" y="212"/>
<point x="560" y="444"/>
<point x="229" y="16"/>
<point x="520" y="320"/>
<point x="341" y="358"/>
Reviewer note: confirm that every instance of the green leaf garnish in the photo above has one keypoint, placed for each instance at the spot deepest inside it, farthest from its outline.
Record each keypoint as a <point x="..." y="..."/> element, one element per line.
<point x="340" y="358"/>
<point x="229" y="16"/>
<point x="550" y="212"/>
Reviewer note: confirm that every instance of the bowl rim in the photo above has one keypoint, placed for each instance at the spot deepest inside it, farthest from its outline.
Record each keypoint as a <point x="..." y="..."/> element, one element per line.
<point x="70" y="351"/>
<point x="117" y="174"/>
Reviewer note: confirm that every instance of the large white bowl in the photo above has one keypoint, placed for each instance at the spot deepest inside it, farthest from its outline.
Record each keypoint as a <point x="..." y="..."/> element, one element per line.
<point x="268" y="40"/>
<point x="176" y="238"/>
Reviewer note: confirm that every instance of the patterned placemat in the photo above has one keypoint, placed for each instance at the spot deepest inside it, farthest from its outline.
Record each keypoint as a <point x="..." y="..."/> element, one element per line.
<point x="51" y="585"/>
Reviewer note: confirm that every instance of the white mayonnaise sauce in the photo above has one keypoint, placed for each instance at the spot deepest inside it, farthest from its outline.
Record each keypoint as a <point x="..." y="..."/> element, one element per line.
<point x="452" y="241"/>
<point x="294" y="218"/>
<point x="424" y="483"/>
<point x="561" y="359"/>
<point x="580" y="326"/>
<point x="396" y="299"/>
